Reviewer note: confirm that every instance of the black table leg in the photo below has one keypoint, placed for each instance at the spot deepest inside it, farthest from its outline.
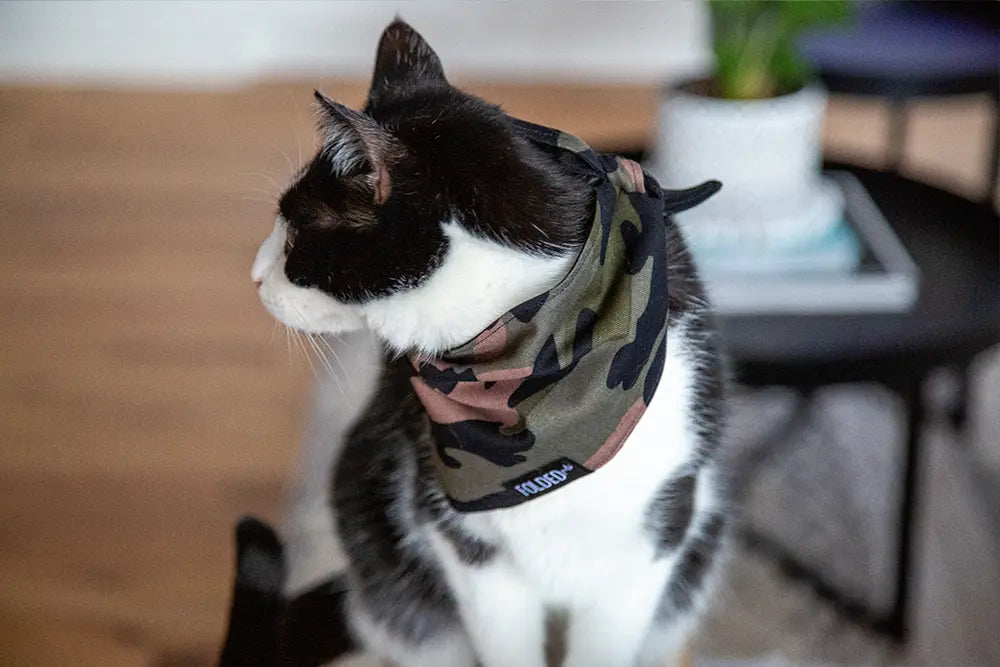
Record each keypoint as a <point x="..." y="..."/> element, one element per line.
<point x="958" y="412"/>
<point x="899" y="616"/>
<point x="893" y="622"/>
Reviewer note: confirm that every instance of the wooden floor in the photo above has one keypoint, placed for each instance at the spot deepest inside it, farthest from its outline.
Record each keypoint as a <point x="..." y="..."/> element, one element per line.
<point x="145" y="405"/>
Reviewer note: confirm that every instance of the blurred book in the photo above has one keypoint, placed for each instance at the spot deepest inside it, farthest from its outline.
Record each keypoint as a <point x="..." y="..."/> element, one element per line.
<point x="859" y="265"/>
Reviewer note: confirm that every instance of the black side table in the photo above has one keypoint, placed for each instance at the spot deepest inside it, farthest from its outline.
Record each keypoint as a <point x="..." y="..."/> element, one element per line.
<point x="956" y="244"/>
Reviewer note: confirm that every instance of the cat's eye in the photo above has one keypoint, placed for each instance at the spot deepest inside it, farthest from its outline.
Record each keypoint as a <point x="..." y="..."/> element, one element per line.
<point x="290" y="234"/>
<point x="300" y="280"/>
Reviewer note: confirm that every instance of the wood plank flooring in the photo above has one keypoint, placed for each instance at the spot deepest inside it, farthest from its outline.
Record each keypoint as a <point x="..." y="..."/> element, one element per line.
<point x="145" y="404"/>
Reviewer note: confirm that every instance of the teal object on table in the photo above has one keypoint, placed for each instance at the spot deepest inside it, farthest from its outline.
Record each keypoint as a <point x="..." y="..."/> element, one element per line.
<point x="836" y="251"/>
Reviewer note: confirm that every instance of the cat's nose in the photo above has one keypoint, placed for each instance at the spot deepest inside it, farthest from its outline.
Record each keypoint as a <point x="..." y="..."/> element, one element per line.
<point x="258" y="283"/>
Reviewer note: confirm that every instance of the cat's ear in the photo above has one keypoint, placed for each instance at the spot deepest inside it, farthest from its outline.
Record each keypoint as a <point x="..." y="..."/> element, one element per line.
<point x="353" y="142"/>
<point x="404" y="57"/>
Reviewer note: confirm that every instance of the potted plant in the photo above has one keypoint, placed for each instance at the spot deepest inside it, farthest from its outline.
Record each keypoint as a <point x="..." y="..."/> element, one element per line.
<point x="755" y="125"/>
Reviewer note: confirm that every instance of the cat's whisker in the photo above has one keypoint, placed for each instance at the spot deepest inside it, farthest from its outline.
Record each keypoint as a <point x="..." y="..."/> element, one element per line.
<point x="262" y="195"/>
<point x="305" y="352"/>
<point x="340" y="339"/>
<point x="296" y="342"/>
<point x="312" y="344"/>
<point x="295" y="128"/>
<point x="298" y="146"/>
<point x="274" y="331"/>
<point x="326" y="361"/>
<point x="311" y="339"/>
<point x="288" y="345"/>
<point x="540" y="230"/>
<point x="321" y="339"/>
<point x="288" y="160"/>
<point x="316" y="349"/>
<point x="350" y="348"/>
<point x="259" y="200"/>
<point x="253" y="189"/>
<point x="270" y="179"/>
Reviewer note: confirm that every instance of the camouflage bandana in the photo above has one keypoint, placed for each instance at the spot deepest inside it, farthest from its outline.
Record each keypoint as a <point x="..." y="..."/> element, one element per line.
<point x="551" y="390"/>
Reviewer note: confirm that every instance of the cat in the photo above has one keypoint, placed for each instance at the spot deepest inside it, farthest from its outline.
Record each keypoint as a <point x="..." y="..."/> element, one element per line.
<point x="423" y="219"/>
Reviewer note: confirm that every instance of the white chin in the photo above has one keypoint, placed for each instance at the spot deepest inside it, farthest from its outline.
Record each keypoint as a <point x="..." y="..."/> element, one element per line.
<point x="330" y="321"/>
<point x="309" y="310"/>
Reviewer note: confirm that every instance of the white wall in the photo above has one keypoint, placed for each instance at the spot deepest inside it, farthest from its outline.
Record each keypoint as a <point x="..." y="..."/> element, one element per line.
<point x="215" y="42"/>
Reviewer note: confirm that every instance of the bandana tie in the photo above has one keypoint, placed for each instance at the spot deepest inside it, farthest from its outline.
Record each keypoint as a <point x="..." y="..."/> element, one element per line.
<point x="550" y="391"/>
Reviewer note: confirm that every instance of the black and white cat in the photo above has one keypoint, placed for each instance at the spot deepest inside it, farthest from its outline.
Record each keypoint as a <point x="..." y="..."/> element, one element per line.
<point x="421" y="220"/>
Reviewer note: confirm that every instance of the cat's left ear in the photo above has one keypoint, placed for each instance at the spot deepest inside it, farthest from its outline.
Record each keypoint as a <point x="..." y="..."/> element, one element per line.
<point x="404" y="58"/>
<point x="353" y="142"/>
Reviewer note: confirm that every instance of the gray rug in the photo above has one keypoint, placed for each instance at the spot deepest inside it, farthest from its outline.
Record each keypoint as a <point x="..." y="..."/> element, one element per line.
<point x="826" y="489"/>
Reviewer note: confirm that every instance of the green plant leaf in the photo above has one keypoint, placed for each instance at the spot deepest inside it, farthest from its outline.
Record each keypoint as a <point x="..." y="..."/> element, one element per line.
<point x="801" y="14"/>
<point x="754" y="43"/>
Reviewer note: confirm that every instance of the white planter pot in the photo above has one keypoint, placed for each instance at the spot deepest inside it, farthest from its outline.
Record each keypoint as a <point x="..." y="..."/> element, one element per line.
<point x="767" y="155"/>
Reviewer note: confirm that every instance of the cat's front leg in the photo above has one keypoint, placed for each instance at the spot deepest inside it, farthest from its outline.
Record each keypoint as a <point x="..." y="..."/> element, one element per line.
<point x="609" y="624"/>
<point x="503" y="617"/>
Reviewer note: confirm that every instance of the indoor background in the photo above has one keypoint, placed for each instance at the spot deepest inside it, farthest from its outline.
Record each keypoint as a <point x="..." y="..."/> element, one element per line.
<point x="145" y="403"/>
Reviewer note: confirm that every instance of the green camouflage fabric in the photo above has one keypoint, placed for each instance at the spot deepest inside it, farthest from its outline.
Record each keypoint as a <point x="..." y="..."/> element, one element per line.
<point x="551" y="390"/>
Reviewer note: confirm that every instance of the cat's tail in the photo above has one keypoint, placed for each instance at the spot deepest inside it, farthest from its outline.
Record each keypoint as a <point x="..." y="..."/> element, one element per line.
<point x="265" y="628"/>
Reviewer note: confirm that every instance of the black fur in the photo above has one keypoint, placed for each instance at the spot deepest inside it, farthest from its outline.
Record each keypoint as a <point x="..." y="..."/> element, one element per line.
<point x="670" y="515"/>
<point x="447" y="156"/>
<point x="257" y="606"/>
<point x="265" y="629"/>
<point x="384" y="491"/>
<point x="687" y="303"/>
<point x="696" y="559"/>
<point x="671" y="511"/>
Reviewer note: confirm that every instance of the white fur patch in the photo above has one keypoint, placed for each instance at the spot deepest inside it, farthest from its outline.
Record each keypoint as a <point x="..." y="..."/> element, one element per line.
<point x="478" y="281"/>
<point x="269" y="253"/>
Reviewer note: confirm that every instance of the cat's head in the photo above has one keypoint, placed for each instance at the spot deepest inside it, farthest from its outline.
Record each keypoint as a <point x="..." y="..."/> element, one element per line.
<point x="424" y="216"/>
